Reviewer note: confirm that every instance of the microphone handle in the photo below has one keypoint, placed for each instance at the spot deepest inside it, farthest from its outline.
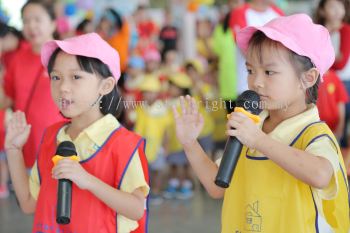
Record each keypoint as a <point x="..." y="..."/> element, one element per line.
<point x="64" y="201"/>
<point x="228" y="163"/>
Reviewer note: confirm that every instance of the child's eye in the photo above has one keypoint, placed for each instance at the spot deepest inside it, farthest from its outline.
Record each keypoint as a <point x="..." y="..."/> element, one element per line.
<point x="76" y="77"/>
<point x="269" y="73"/>
<point x="54" y="78"/>
<point x="249" y="71"/>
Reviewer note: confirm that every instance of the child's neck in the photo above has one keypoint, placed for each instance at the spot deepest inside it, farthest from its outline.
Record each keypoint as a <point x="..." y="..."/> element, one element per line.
<point x="78" y="124"/>
<point x="259" y="6"/>
<point x="334" y="26"/>
<point x="277" y="116"/>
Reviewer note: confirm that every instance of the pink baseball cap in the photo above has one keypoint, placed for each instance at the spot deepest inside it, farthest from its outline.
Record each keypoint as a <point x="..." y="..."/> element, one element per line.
<point x="152" y="55"/>
<point x="88" y="45"/>
<point x="299" y="34"/>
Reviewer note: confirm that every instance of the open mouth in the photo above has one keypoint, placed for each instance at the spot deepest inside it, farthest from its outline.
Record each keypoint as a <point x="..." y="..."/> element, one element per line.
<point x="64" y="103"/>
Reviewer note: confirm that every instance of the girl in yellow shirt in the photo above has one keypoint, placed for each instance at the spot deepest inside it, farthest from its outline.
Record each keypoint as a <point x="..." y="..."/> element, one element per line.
<point x="290" y="175"/>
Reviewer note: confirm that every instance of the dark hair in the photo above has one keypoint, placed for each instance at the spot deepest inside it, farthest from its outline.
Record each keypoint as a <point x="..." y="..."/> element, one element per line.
<point x="110" y="102"/>
<point x="320" y="19"/>
<point x="226" y="22"/>
<point x="47" y="7"/>
<point x="83" y="24"/>
<point x="118" y="22"/>
<point x="300" y="63"/>
<point x="184" y="91"/>
<point x="5" y="30"/>
<point x="189" y="65"/>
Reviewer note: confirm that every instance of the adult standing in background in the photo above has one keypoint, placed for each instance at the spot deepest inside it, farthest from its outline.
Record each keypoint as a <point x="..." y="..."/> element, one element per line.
<point x="26" y="82"/>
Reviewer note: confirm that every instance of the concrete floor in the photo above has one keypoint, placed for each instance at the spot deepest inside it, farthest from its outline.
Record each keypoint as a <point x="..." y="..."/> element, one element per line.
<point x="198" y="215"/>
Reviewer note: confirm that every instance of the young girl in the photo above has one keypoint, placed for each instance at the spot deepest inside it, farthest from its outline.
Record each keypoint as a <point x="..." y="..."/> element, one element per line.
<point x="153" y="119"/>
<point x="290" y="174"/>
<point x="110" y="183"/>
<point x="26" y="83"/>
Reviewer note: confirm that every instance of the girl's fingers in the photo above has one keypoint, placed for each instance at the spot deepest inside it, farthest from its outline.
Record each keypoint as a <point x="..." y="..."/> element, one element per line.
<point x="194" y="107"/>
<point x="62" y="170"/>
<point x="232" y="132"/>
<point x="175" y="112"/>
<point x="200" y="120"/>
<point x="23" y="119"/>
<point x="233" y="124"/>
<point x="239" y="117"/>
<point x="183" y="105"/>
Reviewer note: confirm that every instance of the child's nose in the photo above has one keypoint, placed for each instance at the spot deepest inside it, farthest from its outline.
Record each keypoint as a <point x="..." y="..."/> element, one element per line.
<point x="258" y="81"/>
<point x="64" y="85"/>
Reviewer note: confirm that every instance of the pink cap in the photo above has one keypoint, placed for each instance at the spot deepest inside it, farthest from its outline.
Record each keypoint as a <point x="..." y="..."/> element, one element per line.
<point x="152" y="55"/>
<point x="299" y="34"/>
<point x="88" y="45"/>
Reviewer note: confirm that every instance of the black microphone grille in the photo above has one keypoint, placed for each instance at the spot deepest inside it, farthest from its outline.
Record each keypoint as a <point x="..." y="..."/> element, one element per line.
<point x="250" y="101"/>
<point x="66" y="148"/>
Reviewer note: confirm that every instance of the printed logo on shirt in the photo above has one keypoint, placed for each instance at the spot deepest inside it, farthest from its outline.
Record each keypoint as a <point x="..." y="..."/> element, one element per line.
<point x="253" y="217"/>
<point x="331" y="88"/>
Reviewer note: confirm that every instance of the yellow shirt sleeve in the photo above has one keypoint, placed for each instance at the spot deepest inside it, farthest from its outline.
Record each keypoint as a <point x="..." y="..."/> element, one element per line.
<point x="133" y="179"/>
<point x="34" y="182"/>
<point x="323" y="147"/>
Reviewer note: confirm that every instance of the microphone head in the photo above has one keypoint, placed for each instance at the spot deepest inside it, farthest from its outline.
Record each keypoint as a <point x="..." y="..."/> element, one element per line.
<point x="66" y="149"/>
<point x="250" y="101"/>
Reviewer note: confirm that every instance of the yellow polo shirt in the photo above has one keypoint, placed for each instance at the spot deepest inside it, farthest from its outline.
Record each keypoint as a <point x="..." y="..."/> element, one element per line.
<point x="87" y="143"/>
<point x="288" y="130"/>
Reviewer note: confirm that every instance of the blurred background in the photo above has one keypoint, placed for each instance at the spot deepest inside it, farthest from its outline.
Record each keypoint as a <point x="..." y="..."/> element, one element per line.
<point x="168" y="49"/>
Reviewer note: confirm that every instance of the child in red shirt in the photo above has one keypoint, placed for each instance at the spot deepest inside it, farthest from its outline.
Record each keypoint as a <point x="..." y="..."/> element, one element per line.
<point x="26" y="82"/>
<point x="332" y="98"/>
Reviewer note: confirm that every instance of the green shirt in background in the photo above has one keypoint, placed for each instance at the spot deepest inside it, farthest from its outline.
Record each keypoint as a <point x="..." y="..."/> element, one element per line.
<point x="224" y="47"/>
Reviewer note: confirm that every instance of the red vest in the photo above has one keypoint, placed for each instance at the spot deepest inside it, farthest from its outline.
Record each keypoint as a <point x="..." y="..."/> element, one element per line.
<point x="89" y="214"/>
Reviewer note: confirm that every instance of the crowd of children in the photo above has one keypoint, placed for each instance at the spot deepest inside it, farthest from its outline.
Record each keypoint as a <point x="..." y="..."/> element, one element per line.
<point x="154" y="74"/>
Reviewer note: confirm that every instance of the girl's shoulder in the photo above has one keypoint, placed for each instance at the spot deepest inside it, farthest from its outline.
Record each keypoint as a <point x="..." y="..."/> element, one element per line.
<point x="123" y="136"/>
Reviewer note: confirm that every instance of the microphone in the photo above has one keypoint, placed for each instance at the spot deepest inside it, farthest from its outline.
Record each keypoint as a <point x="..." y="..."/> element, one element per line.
<point x="64" y="193"/>
<point x="248" y="103"/>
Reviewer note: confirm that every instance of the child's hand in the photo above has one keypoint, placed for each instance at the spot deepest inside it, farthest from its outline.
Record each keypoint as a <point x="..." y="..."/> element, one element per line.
<point x="190" y="123"/>
<point x="17" y="131"/>
<point x="244" y="129"/>
<point x="72" y="170"/>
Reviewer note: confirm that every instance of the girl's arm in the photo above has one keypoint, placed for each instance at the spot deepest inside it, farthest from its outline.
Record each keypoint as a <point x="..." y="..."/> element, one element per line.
<point x="130" y="205"/>
<point x="188" y="127"/>
<point x="16" y="136"/>
<point x="204" y="168"/>
<point x="313" y="170"/>
<point x="20" y="180"/>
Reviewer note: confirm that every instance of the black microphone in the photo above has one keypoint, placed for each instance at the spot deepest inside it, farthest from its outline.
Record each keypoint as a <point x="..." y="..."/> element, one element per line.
<point x="250" y="102"/>
<point x="64" y="193"/>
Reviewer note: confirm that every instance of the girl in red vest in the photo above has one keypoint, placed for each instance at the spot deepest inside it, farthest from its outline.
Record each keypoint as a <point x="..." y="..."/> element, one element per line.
<point x="110" y="183"/>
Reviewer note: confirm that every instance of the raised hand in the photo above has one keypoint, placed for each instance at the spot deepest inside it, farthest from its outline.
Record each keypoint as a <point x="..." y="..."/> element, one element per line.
<point x="17" y="131"/>
<point x="190" y="122"/>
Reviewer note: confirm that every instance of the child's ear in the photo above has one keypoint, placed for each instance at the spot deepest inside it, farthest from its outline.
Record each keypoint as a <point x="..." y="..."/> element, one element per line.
<point x="107" y="85"/>
<point x="309" y="78"/>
